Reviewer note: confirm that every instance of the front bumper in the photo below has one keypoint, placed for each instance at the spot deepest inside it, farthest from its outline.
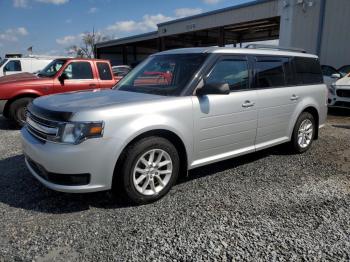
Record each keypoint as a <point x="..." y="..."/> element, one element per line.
<point x="2" y="105"/>
<point x="338" y="101"/>
<point x="88" y="158"/>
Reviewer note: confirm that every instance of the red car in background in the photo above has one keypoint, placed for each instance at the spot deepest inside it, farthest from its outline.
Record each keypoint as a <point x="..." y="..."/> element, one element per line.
<point x="61" y="75"/>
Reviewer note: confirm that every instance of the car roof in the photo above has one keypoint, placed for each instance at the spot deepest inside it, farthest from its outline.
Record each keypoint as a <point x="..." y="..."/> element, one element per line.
<point x="230" y="50"/>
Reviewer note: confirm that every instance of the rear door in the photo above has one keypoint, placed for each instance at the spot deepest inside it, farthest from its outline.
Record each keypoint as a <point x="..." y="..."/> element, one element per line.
<point x="80" y="76"/>
<point x="225" y="125"/>
<point x="277" y="99"/>
<point x="106" y="79"/>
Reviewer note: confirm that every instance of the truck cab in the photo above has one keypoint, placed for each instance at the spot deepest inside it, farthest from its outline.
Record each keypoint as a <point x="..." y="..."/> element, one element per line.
<point x="59" y="76"/>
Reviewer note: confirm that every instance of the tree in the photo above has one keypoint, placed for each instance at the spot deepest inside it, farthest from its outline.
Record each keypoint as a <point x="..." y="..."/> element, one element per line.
<point x="88" y="41"/>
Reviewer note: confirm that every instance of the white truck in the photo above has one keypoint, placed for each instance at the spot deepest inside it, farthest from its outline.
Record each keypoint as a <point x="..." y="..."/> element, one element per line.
<point x="31" y="64"/>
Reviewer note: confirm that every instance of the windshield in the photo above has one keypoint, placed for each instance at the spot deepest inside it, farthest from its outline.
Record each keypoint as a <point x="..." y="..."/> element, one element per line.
<point x="162" y="74"/>
<point x="2" y="62"/>
<point x="52" y="68"/>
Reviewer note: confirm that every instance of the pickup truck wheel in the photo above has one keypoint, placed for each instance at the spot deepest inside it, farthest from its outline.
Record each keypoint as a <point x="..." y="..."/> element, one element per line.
<point x="303" y="133"/>
<point x="18" y="110"/>
<point x="150" y="169"/>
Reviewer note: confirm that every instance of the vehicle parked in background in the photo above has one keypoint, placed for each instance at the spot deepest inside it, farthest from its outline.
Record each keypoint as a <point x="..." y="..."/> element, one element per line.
<point x="10" y="66"/>
<point x="136" y="139"/>
<point x="330" y="75"/>
<point x="339" y="93"/>
<point x="61" y="75"/>
<point x="120" y="71"/>
<point x="344" y="70"/>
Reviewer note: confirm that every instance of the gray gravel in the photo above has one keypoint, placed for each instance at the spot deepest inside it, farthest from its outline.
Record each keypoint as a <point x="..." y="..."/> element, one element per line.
<point x="266" y="206"/>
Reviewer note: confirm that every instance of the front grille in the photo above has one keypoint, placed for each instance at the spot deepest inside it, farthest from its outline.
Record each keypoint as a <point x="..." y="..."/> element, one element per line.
<point x="59" y="179"/>
<point x="343" y="92"/>
<point x="41" y="128"/>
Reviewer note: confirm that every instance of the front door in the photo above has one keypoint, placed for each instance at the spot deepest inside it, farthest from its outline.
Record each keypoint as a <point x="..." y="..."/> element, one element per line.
<point x="78" y="76"/>
<point x="225" y="125"/>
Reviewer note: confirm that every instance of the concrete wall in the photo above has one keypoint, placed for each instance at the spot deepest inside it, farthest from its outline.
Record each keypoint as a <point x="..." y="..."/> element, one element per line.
<point x="301" y="25"/>
<point x="335" y="47"/>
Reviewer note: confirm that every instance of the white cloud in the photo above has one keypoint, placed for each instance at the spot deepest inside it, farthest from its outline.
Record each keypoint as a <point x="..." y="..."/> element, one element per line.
<point x="92" y="10"/>
<point x="68" y="40"/>
<point x="12" y="34"/>
<point x="183" y="12"/>
<point x="68" y="21"/>
<point x="55" y="2"/>
<point x="20" y="3"/>
<point x="148" y="22"/>
<point x="211" y="2"/>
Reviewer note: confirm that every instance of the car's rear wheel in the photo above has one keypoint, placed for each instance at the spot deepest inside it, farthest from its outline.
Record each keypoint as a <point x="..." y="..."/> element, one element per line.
<point x="303" y="133"/>
<point x="150" y="168"/>
<point x="18" y="110"/>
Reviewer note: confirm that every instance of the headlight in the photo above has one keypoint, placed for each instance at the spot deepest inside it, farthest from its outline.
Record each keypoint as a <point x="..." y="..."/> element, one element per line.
<point x="75" y="133"/>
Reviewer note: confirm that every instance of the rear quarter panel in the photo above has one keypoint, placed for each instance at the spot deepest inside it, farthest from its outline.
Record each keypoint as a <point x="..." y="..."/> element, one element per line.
<point x="310" y="96"/>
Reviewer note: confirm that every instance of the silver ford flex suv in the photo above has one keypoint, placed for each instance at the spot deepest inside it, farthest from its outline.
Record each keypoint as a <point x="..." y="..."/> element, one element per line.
<point x="176" y="111"/>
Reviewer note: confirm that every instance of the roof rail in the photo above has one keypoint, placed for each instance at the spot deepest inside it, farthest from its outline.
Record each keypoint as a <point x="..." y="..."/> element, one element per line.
<point x="273" y="47"/>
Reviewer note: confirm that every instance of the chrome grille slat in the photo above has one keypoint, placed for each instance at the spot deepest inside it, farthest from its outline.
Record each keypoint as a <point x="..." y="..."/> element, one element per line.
<point x="41" y="128"/>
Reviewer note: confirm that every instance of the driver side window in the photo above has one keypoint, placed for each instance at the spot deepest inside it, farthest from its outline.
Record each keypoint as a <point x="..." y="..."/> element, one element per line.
<point x="78" y="70"/>
<point x="231" y="71"/>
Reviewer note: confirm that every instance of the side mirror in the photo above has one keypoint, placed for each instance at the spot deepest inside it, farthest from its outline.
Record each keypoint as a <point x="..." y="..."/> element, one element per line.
<point x="214" y="89"/>
<point x="336" y="76"/>
<point x="62" y="77"/>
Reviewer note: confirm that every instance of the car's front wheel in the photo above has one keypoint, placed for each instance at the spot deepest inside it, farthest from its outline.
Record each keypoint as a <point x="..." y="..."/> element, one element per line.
<point x="303" y="133"/>
<point x="18" y="110"/>
<point x="150" y="168"/>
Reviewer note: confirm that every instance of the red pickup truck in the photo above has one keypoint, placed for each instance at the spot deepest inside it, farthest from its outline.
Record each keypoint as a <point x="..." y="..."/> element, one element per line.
<point x="61" y="75"/>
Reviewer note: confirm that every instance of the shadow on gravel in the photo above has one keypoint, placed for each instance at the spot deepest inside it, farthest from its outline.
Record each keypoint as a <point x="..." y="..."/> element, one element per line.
<point x="19" y="189"/>
<point x="339" y="111"/>
<point x="232" y="163"/>
<point x="6" y="124"/>
<point x="342" y="126"/>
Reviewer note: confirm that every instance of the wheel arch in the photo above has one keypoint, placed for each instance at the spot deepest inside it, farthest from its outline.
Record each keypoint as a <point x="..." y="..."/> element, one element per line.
<point x="10" y="101"/>
<point x="314" y="112"/>
<point x="164" y="133"/>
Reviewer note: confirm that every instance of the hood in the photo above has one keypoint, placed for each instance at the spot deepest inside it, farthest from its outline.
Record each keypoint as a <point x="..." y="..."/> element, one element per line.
<point x="345" y="81"/>
<point x="80" y="101"/>
<point x="18" y="77"/>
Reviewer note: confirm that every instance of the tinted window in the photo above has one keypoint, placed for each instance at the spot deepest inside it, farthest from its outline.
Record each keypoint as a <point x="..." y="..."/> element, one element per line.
<point x="104" y="71"/>
<point x="79" y="70"/>
<point x="122" y="71"/>
<point x="13" y="65"/>
<point x="344" y="70"/>
<point x="270" y="72"/>
<point x="328" y="70"/>
<point x="307" y="70"/>
<point x="230" y="71"/>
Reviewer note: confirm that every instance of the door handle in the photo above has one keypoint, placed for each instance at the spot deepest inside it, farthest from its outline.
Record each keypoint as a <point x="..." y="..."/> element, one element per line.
<point x="92" y="85"/>
<point x="294" y="97"/>
<point x="248" y="104"/>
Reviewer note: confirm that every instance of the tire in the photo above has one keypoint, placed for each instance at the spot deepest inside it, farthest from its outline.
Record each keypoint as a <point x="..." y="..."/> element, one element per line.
<point x="302" y="133"/>
<point x="126" y="182"/>
<point x="17" y="110"/>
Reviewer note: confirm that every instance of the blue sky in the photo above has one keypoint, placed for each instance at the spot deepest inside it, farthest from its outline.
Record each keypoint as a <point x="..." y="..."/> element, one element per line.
<point x="50" y="26"/>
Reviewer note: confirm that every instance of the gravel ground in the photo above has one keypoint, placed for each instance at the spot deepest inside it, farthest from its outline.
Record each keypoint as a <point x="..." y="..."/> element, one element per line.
<point x="265" y="206"/>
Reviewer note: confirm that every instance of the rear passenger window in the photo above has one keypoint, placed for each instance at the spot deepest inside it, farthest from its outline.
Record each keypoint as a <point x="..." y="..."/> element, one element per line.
<point x="104" y="71"/>
<point x="270" y="72"/>
<point x="230" y="71"/>
<point x="308" y="71"/>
